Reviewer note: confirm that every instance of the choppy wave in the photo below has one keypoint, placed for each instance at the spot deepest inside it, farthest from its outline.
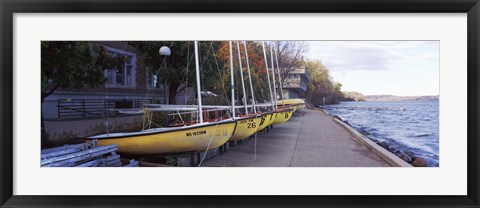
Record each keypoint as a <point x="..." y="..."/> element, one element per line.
<point x="408" y="129"/>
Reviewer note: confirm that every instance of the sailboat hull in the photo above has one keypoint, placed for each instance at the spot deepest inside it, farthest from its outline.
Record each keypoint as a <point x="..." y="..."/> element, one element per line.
<point x="246" y="127"/>
<point x="266" y="120"/>
<point x="296" y="104"/>
<point x="174" y="140"/>
<point x="282" y="116"/>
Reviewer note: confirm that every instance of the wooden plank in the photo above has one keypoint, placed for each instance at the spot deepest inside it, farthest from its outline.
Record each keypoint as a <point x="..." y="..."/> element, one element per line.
<point x="81" y="155"/>
<point x="66" y="147"/>
<point x="91" y="163"/>
<point x="102" y="162"/>
<point x="60" y="153"/>
<point x="133" y="163"/>
<point x="76" y="159"/>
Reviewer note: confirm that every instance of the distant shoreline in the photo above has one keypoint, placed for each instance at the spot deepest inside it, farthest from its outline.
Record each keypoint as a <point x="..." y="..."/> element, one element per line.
<point x="401" y="98"/>
<point x="358" y="97"/>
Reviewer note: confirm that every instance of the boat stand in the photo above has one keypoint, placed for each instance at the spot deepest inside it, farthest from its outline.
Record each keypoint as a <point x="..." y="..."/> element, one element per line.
<point x="186" y="159"/>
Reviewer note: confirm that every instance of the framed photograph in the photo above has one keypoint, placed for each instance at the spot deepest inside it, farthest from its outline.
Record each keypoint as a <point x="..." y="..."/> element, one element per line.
<point x="239" y="104"/>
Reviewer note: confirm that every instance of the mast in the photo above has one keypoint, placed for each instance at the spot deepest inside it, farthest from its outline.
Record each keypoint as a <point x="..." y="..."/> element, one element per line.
<point x="232" y="80"/>
<point x="197" y="71"/>
<point x="250" y="78"/>
<point x="279" y="77"/>
<point x="241" y="77"/>
<point x="273" y="75"/>
<point x="268" y="75"/>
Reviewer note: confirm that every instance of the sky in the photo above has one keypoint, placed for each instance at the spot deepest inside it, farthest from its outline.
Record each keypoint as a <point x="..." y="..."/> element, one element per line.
<point x="404" y="68"/>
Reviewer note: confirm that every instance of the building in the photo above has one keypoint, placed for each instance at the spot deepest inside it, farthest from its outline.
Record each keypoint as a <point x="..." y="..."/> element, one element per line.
<point x="295" y="83"/>
<point x="126" y="86"/>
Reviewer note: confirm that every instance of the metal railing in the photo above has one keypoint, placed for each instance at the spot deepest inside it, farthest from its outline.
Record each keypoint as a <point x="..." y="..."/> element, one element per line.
<point x="81" y="108"/>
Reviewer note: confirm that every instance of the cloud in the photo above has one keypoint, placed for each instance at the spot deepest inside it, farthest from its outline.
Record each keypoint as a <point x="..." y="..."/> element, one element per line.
<point x="370" y="55"/>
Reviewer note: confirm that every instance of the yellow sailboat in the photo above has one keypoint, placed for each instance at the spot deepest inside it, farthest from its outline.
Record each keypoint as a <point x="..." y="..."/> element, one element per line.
<point x="283" y="115"/>
<point x="266" y="120"/>
<point x="246" y="127"/>
<point x="296" y="103"/>
<point x="195" y="137"/>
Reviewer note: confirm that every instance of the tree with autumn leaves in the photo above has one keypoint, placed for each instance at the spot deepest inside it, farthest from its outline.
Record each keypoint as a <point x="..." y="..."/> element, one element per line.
<point x="214" y="67"/>
<point x="76" y="64"/>
<point x="257" y="70"/>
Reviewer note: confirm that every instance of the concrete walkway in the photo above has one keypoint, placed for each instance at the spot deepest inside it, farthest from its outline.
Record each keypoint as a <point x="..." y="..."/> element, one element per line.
<point x="309" y="139"/>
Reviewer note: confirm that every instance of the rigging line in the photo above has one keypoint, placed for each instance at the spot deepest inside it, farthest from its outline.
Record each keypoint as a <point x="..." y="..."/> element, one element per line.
<point x="236" y="159"/>
<point x="268" y="75"/>
<point x="203" y="63"/>
<point x="250" y="78"/>
<point x="197" y="75"/>
<point x="273" y="75"/>
<point x="156" y="75"/>
<point x="236" y="86"/>
<point x="221" y="77"/>
<point x="189" y="60"/>
<point x="180" y="116"/>
<point x="232" y="80"/>
<point x="208" y="146"/>
<point x="278" y="72"/>
<point x="185" y="75"/>
<point x="208" y="51"/>
<point x="244" y="99"/>
<point x="158" y="71"/>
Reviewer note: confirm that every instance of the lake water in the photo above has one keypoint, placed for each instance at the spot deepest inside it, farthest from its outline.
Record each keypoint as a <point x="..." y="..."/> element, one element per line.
<point x="407" y="127"/>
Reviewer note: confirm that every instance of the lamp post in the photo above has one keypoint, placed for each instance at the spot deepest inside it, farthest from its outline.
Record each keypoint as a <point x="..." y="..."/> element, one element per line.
<point x="165" y="51"/>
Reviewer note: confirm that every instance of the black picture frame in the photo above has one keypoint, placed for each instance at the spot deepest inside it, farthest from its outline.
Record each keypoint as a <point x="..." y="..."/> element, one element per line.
<point x="10" y="7"/>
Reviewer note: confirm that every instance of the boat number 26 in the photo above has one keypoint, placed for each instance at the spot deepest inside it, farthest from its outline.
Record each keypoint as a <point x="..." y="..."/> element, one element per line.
<point x="251" y="125"/>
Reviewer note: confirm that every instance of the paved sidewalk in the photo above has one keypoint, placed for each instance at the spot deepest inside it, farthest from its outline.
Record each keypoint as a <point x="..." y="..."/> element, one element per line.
<point x="309" y="139"/>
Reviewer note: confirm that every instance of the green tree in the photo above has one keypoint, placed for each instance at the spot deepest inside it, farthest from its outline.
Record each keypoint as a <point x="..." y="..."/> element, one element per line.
<point x="353" y="96"/>
<point x="72" y="64"/>
<point x="338" y="94"/>
<point x="321" y="84"/>
<point x="180" y="70"/>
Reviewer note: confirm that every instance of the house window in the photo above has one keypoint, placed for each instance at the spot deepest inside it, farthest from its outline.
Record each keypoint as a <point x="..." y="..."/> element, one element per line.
<point x="122" y="76"/>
